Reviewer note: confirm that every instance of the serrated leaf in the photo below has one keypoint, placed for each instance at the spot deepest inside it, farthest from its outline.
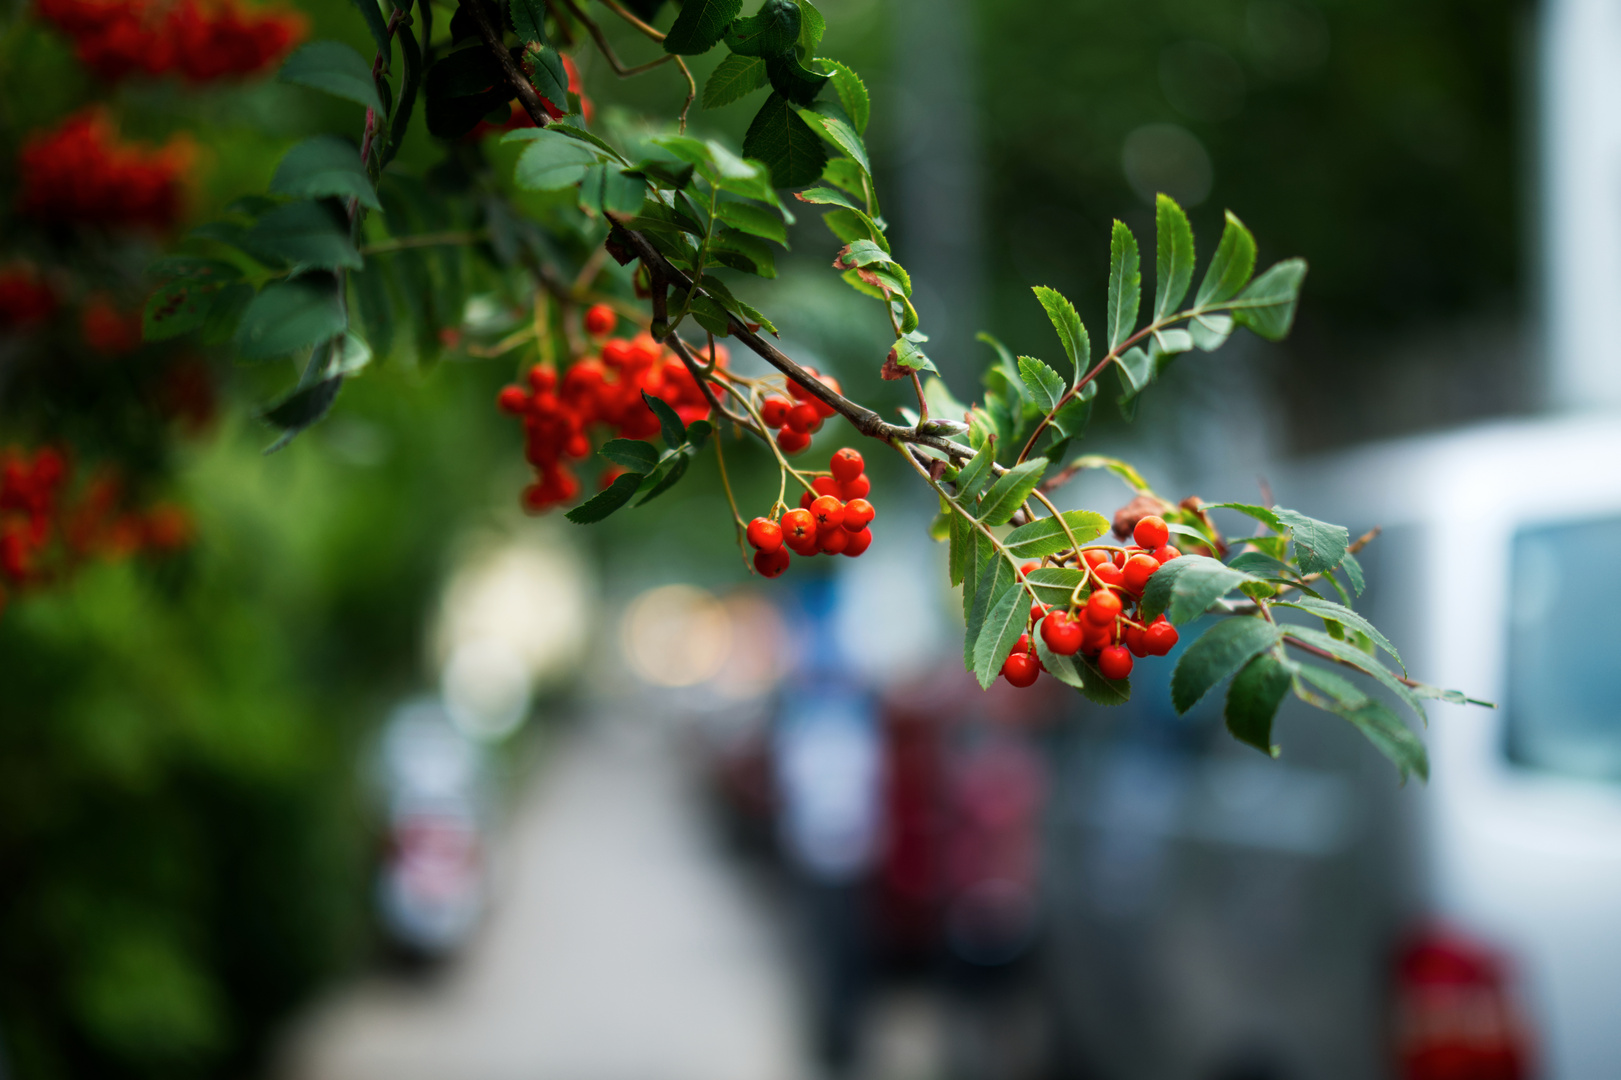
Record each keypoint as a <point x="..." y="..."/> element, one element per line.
<point x="1080" y="672"/>
<point x="375" y="25"/>
<point x="1003" y="624"/>
<point x="1010" y="490"/>
<point x="606" y="501"/>
<point x="908" y="353"/>
<point x="1327" y="609"/>
<point x="306" y="234"/>
<point x="1210" y="331"/>
<point x="785" y="144"/>
<point x="733" y="78"/>
<point x="1125" y="285"/>
<point x="1259" y="513"/>
<point x="754" y="220"/>
<point x="672" y="470"/>
<point x="1045" y="536"/>
<point x="290" y="315"/>
<point x="1231" y="266"/>
<point x="852" y="93"/>
<point x="1353" y="570"/>
<point x="700" y="24"/>
<point x="1071" y="420"/>
<point x="991" y="578"/>
<point x="182" y="303"/>
<point x="1174" y="262"/>
<point x="811" y="28"/>
<point x="334" y="68"/>
<point x="1253" y="699"/>
<point x="1055" y="584"/>
<point x="771" y="31"/>
<point x="544" y="66"/>
<point x="698" y="433"/>
<point x="793" y="80"/>
<point x="1216" y="654"/>
<point x="633" y="454"/>
<point x="1122" y="469"/>
<point x="1319" y="546"/>
<point x="962" y="555"/>
<point x="528" y="19"/>
<point x="1136" y="370"/>
<point x="1046" y="386"/>
<point x="552" y="162"/>
<point x="1378" y="724"/>
<point x="1267" y="305"/>
<point x="1068" y="324"/>
<point x="828" y="119"/>
<point x="1258" y="562"/>
<point x="326" y="165"/>
<point x="1360" y="660"/>
<point x="976" y="472"/>
<point x="1184" y="588"/>
<point x="742" y="252"/>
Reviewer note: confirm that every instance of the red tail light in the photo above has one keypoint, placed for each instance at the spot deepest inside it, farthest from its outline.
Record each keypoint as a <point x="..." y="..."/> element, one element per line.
<point x="1454" y="1017"/>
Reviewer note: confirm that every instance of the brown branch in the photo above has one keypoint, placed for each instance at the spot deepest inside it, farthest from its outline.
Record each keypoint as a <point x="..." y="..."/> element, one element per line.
<point x="603" y="47"/>
<point x="679" y="347"/>
<point x="614" y="7"/>
<point x="527" y="96"/>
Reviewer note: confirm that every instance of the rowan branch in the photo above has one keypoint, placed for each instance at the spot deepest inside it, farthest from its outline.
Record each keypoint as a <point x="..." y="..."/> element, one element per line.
<point x="527" y="96"/>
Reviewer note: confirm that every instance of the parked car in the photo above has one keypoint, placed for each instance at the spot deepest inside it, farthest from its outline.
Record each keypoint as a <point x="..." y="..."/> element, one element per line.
<point x="1213" y="913"/>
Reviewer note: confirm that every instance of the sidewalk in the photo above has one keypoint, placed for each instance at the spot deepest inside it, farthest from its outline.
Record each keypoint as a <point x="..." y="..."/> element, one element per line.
<point x="622" y="947"/>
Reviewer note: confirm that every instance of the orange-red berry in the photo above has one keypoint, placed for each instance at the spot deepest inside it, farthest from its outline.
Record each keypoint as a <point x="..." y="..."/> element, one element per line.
<point x="1062" y="633"/>
<point x="774" y="411"/>
<point x="765" y="534"/>
<point x="858" y="514"/>
<point x="600" y="320"/>
<point x="1102" y="608"/>
<point x="1151" y="532"/>
<point x="1020" y="669"/>
<point x="828" y="512"/>
<point x="791" y="441"/>
<point x="859" y="542"/>
<point x="1137" y="571"/>
<point x="846" y="465"/>
<point x="1115" y="662"/>
<point x="771" y="563"/>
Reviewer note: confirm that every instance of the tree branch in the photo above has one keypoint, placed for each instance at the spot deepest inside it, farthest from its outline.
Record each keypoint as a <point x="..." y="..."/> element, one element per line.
<point x="527" y="96"/>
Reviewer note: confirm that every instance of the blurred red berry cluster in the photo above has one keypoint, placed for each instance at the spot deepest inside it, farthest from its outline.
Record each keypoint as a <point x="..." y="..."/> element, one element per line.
<point x="43" y="532"/>
<point x="80" y="172"/>
<point x="521" y="119"/>
<point x="107" y="330"/>
<point x="26" y="298"/>
<point x="605" y="390"/>
<point x="202" y="40"/>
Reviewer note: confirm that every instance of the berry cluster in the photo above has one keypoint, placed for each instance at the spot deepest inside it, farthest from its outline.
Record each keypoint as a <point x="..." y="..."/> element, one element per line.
<point x="832" y="519"/>
<point x="25" y="297"/>
<point x="797" y="420"/>
<point x="202" y="40"/>
<point x="605" y="390"/>
<point x="82" y="173"/>
<point x="1104" y="626"/>
<point x="34" y="513"/>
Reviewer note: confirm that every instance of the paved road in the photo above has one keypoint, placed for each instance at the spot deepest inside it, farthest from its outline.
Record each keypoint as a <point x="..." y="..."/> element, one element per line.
<point x="623" y="948"/>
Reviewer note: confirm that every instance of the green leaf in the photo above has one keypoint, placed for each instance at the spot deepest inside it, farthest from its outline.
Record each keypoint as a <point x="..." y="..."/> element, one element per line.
<point x="606" y="501"/>
<point x="784" y="144"/>
<point x="1045" y="536"/>
<point x="1080" y="672"/>
<point x="991" y="578"/>
<point x="1267" y="306"/>
<point x="1327" y="609"/>
<point x="754" y="220"/>
<point x="552" y="162"/>
<point x="1353" y="570"/>
<point x="181" y="304"/>
<point x="1056" y="584"/>
<point x="827" y="118"/>
<point x="1210" y="331"/>
<point x="698" y="433"/>
<point x="847" y="175"/>
<point x="322" y="166"/>
<point x="300" y="409"/>
<point x="306" y="234"/>
<point x="607" y="189"/>
<point x="1230" y="268"/>
<point x="1122" y="469"/>
<point x="733" y="78"/>
<point x="1319" y="546"/>
<point x="793" y="80"/>
<point x="1011" y="489"/>
<point x="1360" y="660"/>
<point x="1216" y="654"/>
<point x="1174" y="264"/>
<point x="289" y="315"/>
<point x="771" y="32"/>
<point x="908" y="353"/>
<point x="1258" y="562"/>
<point x="335" y="68"/>
<point x="1184" y="588"/>
<point x="811" y="27"/>
<point x="1003" y="625"/>
<point x="544" y="66"/>
<point x="700" y="25"/>
<point x="962" y="555"/>
<point x="1253" y="700"/>
<point x="976" y="472"/>
<point x="673" y="469"/>
<point x="1071" y="420"/>
<point x="1379" y="725"/>
<point x="852" y="94"/>
<point x="670" y="425"/>
<point x="374" y="24"/>
<point x="633" y="454"/>
<point x="1125" y="284"/>
<point x="1136" y="370"/>
<point x="1068" y="325"/>
<point x="1259" y="513"/>
<point x="528" y="18"/>
<point x="376" y="306"/>
<point x="1046" y="386"/>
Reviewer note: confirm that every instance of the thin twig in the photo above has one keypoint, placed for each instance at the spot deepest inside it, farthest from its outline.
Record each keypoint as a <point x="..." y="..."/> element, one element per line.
<point x="614" y="7"/>
<point x="527" y="96"/>
<point x="606" y="49"/>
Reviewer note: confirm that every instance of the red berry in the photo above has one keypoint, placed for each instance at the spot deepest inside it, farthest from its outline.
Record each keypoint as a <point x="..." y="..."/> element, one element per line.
<point x="765" y="534"/>
<point x="1115" y="662"/>
<point x="1038" y="611"/>
<point x="512" y="399"/>
<point x="600" y="321"/>
<point x="1138" y="569"/>
<point x="1095" y="557"/>
<point x="1020" y="669"/>
<point x="1062" y="633"/>
<point x="798" y="392"/>
<point x="1108" y="573"/>
<point x="1134" y="639"/>
<point x="791" y="441"/>
<point x="1102" y="608"/>
<point x="832" y="541"/>
<point x="859" y="488"/>
<point x="771" y="563"/>
<point x="804" y="417"/>
<point x="1030" y="567"/>
<point x="828" y="512"/>
<point x="774" y="411"/>
<point x="1094" y="638"/>
<point x="846" y="465"/>
<point x="1165" y="553"/>
<point x="798" y="527"/>
<point x="543" y="379"/>
<point x="806" y="499"/>
<point x="1160" y="637"/>
<point x="1151" y="532"/>
<point x="859" y="541"/>
<point x="824" y="410"/>
<point x="825" y="485"/>
<point x="858" y="514"/>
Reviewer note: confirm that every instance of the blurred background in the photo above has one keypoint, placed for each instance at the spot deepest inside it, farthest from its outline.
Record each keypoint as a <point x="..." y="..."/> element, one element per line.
<point x="380" y="778"/>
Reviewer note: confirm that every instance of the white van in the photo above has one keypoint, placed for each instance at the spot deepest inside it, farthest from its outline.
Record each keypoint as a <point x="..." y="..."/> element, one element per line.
<point x="1215" y="914"/>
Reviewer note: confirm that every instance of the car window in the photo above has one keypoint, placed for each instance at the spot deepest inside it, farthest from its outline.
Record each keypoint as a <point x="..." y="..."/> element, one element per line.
<point x="1564" y="649"/>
